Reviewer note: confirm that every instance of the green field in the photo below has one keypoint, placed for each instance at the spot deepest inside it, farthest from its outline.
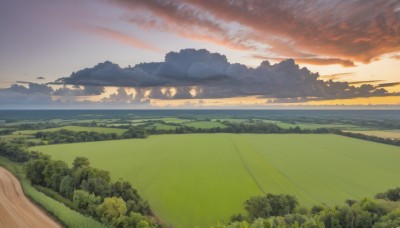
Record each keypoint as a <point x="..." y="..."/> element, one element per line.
<point x="74" y="128"/>
<point x="200" y="179"/>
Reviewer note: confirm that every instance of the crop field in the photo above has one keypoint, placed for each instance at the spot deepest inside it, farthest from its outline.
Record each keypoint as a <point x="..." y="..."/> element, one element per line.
<point x="74" y="128"/>
<point x="200" y="179"/>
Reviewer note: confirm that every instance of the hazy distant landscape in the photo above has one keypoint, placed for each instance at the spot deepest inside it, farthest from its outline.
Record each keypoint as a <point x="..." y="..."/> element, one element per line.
<point x="198" y="167"/>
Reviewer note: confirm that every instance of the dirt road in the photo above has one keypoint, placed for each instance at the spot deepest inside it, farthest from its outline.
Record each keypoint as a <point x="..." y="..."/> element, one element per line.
<point x="15" y="209"/>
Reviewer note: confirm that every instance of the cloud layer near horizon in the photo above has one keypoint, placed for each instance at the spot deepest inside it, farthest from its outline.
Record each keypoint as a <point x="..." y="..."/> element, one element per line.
<point x="190" y="74"/>
<point x="316" y="31"/>
<point x="200" y="74"/>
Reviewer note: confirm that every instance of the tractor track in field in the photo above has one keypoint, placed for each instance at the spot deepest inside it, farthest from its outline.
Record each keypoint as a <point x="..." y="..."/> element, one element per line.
<point x="16" y="210"/>
<point x="248" y="169"/>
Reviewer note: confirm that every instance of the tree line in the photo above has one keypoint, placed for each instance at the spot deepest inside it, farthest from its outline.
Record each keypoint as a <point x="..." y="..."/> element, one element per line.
<point x="67" y="136"/>
<point x="259" y="128"/>
<point x="280" y="210"/>
<point x="395" y="142"/>
<point x="16" y="152"/>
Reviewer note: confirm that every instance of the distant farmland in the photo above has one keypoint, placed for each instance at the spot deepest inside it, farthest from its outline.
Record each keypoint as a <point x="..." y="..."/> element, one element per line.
<point x="74" y="128"/>
<point x="200" y="179"/>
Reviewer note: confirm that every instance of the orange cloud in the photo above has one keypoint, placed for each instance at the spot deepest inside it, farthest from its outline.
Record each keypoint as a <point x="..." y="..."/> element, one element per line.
<point x="314" y="61"/>
<point x="344" y="31"/>
<point x="183" y="21"/>
<point x="123" y="38"/>
<point x="336" y="76"/>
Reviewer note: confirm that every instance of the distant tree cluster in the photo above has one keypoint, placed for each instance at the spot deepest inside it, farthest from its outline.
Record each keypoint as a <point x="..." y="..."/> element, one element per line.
<point x="276" y="211"/>
<point x="90" y="191"/>
<point x="257" y="128"/>
<point x="67" y="136"/>
<point x="395" y="142"/>
<point x="6" y="131"/>
<point x="37" y="126"/>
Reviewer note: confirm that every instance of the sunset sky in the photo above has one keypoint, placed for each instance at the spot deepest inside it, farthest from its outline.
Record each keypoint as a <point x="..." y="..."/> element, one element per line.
<point x="199" y="54"/>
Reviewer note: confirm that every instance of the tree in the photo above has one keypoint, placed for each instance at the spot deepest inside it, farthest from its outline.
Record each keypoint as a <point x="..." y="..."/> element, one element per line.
<point x="270" y="205"/>
<point x="124" y="190"/>
<point x="86" y="202"/>
<point x="96" y="185"/>
<point x="80" y="162"/>
<point x="54" y="172"/>
<point x="391" y="194"/>
<point x="111" y="208"/>
<point x="133" y="220"/>
<point x="34" y="170"/>
<point x="67" y="186"/>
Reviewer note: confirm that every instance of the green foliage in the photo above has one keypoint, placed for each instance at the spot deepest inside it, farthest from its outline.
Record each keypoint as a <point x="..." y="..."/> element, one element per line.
<point x="134" y="132"/>
<point x="133" y="220"/>
<point x="14" y="152"/>
<point x="80" y="162"/>
<point x="362" y="214"/>
<point x="67" y="186"/>
<point x="86" y="202"/>
<point x="395" y="142"/>
<point x="34" y="170"/>
<point x="390" y="220"/>
<point x="54" y="172"/>
<point x="64" y="214"/>
<point x="391" y="194"/>
<point x="66" y="136"/>
<point x="270" y="205"/>
<point x="111" y="209"/>
<point x="86" y="186"/>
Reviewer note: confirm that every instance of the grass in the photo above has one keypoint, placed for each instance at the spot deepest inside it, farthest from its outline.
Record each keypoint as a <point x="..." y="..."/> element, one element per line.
<point x="64" y="214"/>
<point x="204" y="124"/>
<point x="383" y="134"/>
<point x="74" y="128"/>
<point x="200" y="179"/>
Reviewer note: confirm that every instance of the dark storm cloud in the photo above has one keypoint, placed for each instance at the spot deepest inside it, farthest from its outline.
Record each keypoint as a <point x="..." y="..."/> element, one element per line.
<point x="365" y="82"/>
<point x="389" y="84"/>
<point x="32" y="94"/>
<point x="319" y="32"/>
<point x="188" y="67"/>
<point x="210" y="75"/>
<point x="77" y="91"/>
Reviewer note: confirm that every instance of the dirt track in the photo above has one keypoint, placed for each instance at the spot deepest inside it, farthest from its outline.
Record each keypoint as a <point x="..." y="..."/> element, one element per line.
<point x="15" y="209"/>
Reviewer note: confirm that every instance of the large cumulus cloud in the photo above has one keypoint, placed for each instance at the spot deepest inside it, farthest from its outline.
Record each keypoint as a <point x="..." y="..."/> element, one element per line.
<point x="201" y="74"/>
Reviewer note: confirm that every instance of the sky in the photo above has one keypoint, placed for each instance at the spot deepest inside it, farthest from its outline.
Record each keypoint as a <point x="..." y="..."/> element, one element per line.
<point x="199" y="54"/>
